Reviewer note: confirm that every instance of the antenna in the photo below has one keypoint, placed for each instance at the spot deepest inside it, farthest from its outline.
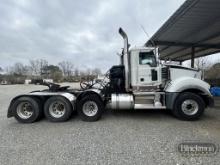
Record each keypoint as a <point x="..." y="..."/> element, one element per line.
<point x="152" y="42"/>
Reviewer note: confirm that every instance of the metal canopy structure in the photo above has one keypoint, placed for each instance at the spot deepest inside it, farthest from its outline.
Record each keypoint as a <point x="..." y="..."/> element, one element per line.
<point x="192" y="31"/>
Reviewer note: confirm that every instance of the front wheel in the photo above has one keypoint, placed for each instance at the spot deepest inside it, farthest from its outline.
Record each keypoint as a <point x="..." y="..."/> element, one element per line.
<point x="188" y="106"/>
<point x="90" y="108"/>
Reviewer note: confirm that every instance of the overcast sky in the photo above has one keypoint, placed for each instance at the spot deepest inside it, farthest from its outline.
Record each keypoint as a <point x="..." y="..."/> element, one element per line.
<point x="82" y="31"/>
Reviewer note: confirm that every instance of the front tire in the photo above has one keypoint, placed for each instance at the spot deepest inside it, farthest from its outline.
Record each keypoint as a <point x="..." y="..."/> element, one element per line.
<point x="188" y="106"/>
<point x="90" y="108"/>
<point x="57" y="109"/>
<point x="27" y="109"/>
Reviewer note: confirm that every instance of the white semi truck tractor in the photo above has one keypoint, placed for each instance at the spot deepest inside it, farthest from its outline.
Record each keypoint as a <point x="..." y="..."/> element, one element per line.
<point x="141" y="81"/>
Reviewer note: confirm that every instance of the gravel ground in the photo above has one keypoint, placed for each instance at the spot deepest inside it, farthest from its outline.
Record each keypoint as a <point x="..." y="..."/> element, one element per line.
<point x="120" y="137"/>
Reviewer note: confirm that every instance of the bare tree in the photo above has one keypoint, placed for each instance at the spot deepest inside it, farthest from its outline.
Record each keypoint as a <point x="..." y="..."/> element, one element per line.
<point x="28" y="70"/>
<point x="213" y="72"/>
<point x="82" y="73"/>
<point x="8" y="70"/>
<point x="202" y="63"/>
<point x="88" y="72"/>
<point x="34" y="66"/>
<point x="1" y="70"/>
<point x="66" y="67"/>
<point x="76" y="72"/>
<point x="42" y="65"/>
<point x="37" y="66"/>
<point x="96" y="72"/>
<point x="18" y="69"/>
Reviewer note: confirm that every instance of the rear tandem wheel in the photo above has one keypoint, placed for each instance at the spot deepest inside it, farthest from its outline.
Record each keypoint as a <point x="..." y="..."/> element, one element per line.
<point x="27" y="109"/>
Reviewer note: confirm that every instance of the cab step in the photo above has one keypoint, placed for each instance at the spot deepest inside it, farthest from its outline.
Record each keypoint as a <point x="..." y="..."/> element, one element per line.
<point x="149" y="100"/>
<point x="148" y="106"/>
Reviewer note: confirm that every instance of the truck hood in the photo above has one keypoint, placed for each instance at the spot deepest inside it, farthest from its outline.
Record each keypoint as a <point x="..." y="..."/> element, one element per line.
<point x="178" y="71"/>
<point x="181" y="67"/>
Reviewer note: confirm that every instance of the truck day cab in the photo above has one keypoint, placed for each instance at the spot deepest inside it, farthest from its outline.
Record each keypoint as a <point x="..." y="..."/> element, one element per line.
<point x="139" y="82"/>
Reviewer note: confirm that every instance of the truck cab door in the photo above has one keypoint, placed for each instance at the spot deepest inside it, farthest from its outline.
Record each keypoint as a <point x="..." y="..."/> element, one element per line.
<point x="147" y="69"/>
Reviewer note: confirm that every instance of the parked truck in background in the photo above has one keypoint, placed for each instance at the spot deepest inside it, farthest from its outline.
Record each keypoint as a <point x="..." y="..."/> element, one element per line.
<point x="141" y="81"/>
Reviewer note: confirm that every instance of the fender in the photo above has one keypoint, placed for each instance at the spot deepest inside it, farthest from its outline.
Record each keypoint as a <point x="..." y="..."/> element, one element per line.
<point x="41" y="94"/>
<point x="173" y="88"/>
<point x="98" y="92"/>
<point x="185" y="83"/>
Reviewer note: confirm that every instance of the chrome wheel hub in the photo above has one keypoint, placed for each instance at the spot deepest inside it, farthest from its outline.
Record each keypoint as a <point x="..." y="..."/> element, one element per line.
<point x="57" y="109"/>
<point x="190" y="107"/>
<point x="25" y="110"/>
<point x="90" y="108"/>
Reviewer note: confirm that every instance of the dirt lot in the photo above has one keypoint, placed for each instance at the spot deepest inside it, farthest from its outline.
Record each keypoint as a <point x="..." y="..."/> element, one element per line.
<point x="120" y="137"/>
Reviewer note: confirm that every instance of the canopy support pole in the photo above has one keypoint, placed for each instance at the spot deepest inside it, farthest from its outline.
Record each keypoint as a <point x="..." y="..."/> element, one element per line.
<point x="192" y="57"/>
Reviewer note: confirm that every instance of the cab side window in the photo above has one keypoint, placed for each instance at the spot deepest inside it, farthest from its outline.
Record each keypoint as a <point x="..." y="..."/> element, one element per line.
<point x="147" y="58"/>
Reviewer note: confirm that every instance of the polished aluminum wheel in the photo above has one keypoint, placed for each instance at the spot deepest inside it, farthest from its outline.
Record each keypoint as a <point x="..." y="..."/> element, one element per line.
<point x="90" y="108"/>
<point x="57" y="109"/>
<point x="190" y="107"/>
<point x="25" y="110"/>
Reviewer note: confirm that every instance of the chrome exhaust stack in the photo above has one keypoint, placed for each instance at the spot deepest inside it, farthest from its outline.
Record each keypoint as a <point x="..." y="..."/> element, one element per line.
<point x="125" y="59"/>
<point x="125" y="50"/>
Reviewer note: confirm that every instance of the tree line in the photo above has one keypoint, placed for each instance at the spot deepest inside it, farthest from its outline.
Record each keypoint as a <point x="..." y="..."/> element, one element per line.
<point x="41" y="69"/>
<point x="66" y="71"/>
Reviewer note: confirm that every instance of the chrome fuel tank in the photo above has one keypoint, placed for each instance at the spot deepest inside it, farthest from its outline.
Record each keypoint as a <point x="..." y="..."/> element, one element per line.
<point x="122" y="101"/>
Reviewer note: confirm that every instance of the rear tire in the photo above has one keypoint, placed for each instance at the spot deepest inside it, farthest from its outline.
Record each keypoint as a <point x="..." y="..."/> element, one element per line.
<point x="57" y="109"/>
<point x="90" y="108"/>
<point x="188" y="106"/>
<point x="27" y="109"/>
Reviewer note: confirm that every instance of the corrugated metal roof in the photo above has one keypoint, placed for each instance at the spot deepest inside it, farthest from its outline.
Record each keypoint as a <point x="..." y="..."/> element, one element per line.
<point x="195" y="24"/>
